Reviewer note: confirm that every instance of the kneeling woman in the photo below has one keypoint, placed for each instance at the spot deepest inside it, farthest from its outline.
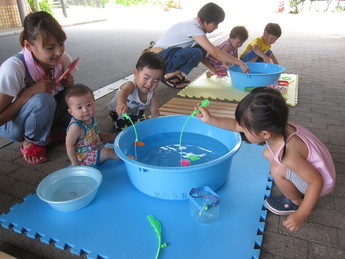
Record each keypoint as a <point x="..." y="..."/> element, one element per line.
<point x="31" y="99"/>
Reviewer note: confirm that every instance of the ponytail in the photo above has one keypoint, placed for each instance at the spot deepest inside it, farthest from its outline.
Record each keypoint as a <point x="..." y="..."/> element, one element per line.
<point x="264" y="109"/>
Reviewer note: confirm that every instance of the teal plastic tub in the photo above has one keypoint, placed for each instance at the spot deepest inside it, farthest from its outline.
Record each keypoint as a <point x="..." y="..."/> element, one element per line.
<point x="175" y="182"/>
<point x="261" y="74"/>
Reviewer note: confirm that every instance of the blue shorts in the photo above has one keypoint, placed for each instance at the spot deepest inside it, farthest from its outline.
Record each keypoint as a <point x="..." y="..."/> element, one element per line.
<point x="250" y="55"/>
<point x="182" y="59"/>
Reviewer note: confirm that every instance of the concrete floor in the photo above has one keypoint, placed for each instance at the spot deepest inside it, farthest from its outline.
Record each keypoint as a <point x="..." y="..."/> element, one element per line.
<point x="318" y="57"/>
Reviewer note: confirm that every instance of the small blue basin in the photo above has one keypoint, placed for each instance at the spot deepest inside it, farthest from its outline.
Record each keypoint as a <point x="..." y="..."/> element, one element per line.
<point x="260" y="74"/>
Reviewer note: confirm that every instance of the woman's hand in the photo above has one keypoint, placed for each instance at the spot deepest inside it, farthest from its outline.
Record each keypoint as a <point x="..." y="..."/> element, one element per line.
<point x="244" y="67"/>
<point x="10" y="108"/>
<point x="41" y="86"/>
<point x="68" y="81"/>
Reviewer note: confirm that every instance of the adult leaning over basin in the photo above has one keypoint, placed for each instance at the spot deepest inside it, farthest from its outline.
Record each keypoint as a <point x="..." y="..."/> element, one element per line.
<point x="185" y="44"/>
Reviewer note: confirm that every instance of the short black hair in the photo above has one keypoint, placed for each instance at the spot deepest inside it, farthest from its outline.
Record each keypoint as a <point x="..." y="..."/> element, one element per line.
<point x="273" y="29"/>
<point x="151" y="60"/>
<point x="264" y="108"/>
<point x="77" y="90"/>
<point x="211" y="13"/>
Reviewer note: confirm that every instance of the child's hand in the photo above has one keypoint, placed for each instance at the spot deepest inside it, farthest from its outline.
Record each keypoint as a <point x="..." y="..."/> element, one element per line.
<point x="68" y="81"/>
<point x="203" y="115"/>
<point x="244" y="67"/>
<point x="294" y="221"/>
<point x="266" y="59"/>
<point x="121" y="109"/>
<point x="75" y="163"/>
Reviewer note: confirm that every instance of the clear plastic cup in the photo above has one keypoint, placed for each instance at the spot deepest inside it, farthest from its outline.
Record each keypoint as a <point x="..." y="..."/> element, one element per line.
<point x="204" y="204"/>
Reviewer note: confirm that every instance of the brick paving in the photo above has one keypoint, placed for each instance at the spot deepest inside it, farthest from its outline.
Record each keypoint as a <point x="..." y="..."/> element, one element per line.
<point x="319" y="60"/>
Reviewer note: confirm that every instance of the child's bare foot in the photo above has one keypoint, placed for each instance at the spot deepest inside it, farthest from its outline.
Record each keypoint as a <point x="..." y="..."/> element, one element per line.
<point x="108" y="153"/>
<point x="32" y="153"/>
<point x="209" y="74"/>
<point x="107" y="137"/>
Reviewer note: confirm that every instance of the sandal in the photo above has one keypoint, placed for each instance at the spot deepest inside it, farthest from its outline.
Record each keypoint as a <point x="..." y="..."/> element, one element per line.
<point x="174" y="81"/>
<point x="185" y="80"/>
<point x="280" y="205"/>
<point x="34" y="151"/>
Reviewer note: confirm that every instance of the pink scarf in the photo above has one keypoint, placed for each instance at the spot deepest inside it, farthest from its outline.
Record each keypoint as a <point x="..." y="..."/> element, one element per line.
<point x="37" y="72"/>
<point x="199" y="21"/>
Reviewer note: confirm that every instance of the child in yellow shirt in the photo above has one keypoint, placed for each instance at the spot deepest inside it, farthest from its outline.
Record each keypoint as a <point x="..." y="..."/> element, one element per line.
<point x="259" y="49"/>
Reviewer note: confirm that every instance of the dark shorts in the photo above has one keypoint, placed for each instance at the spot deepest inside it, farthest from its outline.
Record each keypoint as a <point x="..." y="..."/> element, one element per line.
<point x="250" y="55"/>
<point x="182" y="59"/>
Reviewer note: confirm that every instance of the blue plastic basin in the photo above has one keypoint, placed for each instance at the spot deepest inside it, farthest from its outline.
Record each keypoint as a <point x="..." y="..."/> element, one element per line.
<point x="174" y="183"/>
<point x="261" y="74"/>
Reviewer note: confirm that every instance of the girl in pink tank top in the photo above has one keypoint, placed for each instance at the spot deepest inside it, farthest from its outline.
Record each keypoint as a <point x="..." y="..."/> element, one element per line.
<point x="301" y="166"/>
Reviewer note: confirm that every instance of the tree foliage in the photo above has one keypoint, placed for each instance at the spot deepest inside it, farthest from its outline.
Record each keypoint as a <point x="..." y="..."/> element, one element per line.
<point x="45" y="5"/>
<point x="296" y="5"/>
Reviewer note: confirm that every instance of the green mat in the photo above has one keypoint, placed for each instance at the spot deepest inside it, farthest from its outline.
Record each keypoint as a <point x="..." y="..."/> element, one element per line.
<point x="221" y="89"/>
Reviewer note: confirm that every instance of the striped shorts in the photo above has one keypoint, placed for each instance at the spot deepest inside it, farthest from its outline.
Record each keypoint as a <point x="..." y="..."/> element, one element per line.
<point x="300" y="184"/>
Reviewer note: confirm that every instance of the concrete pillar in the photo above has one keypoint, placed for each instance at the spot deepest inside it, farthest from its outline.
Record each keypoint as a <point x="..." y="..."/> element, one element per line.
<point x="37" y="6"/>
<point x="63" y="6"/>
<point x="22" y="11"/>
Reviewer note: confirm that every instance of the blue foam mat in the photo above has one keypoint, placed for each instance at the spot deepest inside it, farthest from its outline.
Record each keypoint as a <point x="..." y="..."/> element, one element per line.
<point x="115" y="224"/>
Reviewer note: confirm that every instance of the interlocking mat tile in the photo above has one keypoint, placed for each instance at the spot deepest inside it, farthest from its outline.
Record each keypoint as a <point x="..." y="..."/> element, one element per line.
<point x="221" y="89"/>
<point x="115" y="224"/>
